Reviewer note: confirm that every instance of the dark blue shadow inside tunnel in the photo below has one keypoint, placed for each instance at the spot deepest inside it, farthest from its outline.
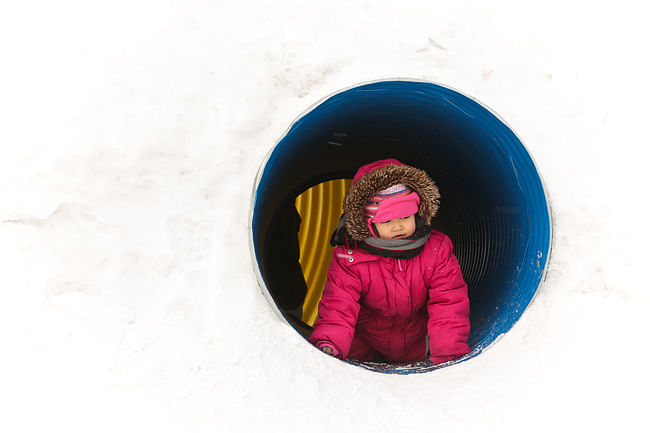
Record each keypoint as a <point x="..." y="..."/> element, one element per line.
<point x="493" y="207"/>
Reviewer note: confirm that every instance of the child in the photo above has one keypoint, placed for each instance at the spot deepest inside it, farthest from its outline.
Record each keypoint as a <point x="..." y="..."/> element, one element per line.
<point x="393" y="280"/>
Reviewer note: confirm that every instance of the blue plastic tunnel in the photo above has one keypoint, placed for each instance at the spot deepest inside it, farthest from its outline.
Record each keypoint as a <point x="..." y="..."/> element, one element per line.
<point x="493" y="206"/>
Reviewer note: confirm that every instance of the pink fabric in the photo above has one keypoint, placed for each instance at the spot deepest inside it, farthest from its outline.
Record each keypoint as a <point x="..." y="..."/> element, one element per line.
<point x="365" y="169"/>
<point x="372" y="205"/>
<point x="375" y="305"/>
<point x="397" y="207"/>
<point x="442" y="359"/>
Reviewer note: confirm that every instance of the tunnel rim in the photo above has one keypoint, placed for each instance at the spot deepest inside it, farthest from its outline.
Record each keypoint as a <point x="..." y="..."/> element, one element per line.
<point x="418" y="365"/>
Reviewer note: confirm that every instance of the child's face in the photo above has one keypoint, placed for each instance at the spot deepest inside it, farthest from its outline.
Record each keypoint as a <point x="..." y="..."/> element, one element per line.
<point x="396" y="229"/>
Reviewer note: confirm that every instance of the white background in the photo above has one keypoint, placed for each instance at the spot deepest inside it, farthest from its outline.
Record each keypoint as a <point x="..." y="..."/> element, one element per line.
<point x="131" y="133"/>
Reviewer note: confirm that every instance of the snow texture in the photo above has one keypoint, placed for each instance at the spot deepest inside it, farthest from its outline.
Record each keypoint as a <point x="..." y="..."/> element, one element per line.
<point x="131" y="135"/>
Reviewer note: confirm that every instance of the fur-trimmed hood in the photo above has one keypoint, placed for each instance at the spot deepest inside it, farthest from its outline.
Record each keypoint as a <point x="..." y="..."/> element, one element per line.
<point x="376" y="176"/>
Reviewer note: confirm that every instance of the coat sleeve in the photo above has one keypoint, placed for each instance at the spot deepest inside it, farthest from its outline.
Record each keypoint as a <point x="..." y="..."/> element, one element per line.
<point x="338" y="309"/>
<point x="448" y="307"/>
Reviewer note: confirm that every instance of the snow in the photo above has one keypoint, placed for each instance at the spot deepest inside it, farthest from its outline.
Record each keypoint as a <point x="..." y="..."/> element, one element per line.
<point x="131" y="135"/>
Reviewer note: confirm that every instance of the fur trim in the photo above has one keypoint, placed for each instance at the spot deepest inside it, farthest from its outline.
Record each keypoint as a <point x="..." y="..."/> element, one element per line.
<point x="381" y="178"/>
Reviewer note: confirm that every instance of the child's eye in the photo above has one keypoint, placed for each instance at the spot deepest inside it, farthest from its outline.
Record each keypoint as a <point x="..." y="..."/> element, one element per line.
<point x="406" y="217"/>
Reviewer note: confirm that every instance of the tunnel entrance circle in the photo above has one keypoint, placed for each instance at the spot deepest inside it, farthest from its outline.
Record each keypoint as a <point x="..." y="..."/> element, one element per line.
<point x="493" y="206"/>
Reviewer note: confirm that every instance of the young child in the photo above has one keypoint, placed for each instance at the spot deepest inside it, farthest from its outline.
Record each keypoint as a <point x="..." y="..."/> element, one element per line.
<point x="393" y="280"/>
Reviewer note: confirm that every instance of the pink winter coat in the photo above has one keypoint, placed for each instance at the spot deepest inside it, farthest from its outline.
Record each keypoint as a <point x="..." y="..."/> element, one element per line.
<point x="375" y="307"/>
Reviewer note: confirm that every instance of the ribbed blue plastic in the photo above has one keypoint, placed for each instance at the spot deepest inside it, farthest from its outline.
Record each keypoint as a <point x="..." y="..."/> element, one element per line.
<point x="494" y="206"/>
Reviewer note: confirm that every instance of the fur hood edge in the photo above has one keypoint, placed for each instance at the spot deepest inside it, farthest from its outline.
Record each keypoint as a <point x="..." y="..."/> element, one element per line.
<point x="381" y="178"/>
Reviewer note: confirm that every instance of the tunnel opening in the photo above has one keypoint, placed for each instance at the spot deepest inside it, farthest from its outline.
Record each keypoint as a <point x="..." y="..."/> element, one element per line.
<point x="493" y="206"/>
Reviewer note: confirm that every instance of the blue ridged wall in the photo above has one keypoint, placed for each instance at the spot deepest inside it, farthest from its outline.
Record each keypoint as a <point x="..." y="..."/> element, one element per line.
<point x="493" y="205"/>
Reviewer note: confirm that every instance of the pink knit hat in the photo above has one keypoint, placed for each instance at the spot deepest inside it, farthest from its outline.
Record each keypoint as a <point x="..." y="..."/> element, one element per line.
<point x="396" y="201"/>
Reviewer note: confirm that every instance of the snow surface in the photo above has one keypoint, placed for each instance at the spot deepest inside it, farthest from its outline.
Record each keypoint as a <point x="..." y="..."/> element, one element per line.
<point x="131" y="134"/>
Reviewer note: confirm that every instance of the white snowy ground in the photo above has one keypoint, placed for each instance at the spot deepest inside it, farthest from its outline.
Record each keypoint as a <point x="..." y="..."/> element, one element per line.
<point x="131" y="133"/>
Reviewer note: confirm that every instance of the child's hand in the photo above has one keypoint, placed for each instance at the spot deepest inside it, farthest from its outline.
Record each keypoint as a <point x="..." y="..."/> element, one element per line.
<point x="329" y="349"/>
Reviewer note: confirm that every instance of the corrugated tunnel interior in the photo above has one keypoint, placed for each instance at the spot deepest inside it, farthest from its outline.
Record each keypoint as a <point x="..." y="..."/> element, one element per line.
<point x="493" y="205"/>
